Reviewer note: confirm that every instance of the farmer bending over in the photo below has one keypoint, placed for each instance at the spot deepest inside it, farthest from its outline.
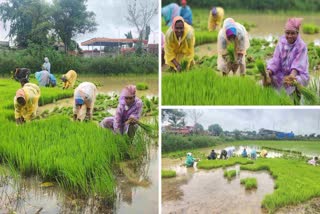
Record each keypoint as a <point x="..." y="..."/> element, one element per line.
<point x="236" y="34"/>
<point x="223" y="154"/>
<point x="244" y="153"/>
<point x="84" y="94"/>
<point x="215" y="18"/>
<point x="290" y="60"/>
<point x="127" y="114"/>
<point x="169" y="12"/>
<point x="179" y="44"/>
<point x="186" y="12"/>
<point x="313" y="161"/>
<point x="43" y="77"/>
<point x="26" y="102"/>
<point x="213" y="155"/>
<point x="21" y="73"/>
<point x="69" y="79"/>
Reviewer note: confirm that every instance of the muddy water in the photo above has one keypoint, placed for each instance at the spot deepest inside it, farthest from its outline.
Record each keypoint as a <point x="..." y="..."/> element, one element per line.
<point x="26" y="196"/>
<point x="201" y="191"/>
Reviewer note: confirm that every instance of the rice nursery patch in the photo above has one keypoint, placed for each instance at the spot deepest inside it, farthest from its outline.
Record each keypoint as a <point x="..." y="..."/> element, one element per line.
<point x="181" y="89"/>
<point x="142" y="86"/>
<point x="249" y="183"/>
<point x="229" y="174"/>
<point x="310" y="28"/>
<point x="168" y="173"/>
<point x="183" y="154"/>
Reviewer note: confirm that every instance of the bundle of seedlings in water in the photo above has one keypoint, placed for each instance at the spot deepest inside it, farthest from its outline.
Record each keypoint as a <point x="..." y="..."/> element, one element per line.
<point x="308" y="95"/>
<point x="184" y="64"/>
<point x="146" y="127"/>
<point x="261" y="68"/>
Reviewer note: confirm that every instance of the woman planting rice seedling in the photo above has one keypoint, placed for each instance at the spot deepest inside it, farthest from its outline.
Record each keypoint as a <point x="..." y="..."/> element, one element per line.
<point x="235" y="33"/>
<point x="179" y="44"/>
<point x="43" y="77"/>
<point x="290" y="60"/>
<point x="215" y="18"/>
<point x="26" y="102"/>
<point x="127" y="114"/>
<point x="69" y="79"/>
<point x="84" y="94"/>
<point x="169" y="12"/>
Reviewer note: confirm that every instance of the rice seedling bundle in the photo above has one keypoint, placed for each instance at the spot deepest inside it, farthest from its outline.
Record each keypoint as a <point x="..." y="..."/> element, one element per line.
<point x="168" y="173"/>
<point x="230" y="174"/>
<point x="142" y="86"/>
<point x="309" y="95"/>
<point x="249" y="183"/>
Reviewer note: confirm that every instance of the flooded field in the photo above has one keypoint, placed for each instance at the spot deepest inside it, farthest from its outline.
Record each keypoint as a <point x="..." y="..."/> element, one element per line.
<point x="209" y="192"/>
<point x="29" y="195"/>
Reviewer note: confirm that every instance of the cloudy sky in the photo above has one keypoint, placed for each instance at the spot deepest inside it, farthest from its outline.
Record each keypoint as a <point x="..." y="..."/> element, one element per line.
<point x="300" y="121"/>
<point x="110" y="16"/>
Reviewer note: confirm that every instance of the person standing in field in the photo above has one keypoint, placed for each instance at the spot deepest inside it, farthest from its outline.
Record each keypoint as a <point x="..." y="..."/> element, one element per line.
<point x="69" y="79"/>
<point x="235" y="34"/>
<point x="179" y="44"/>
<point x="84" y="95"/>
<point x="46" y="65"/>
<point x="186" y="12"/>
<point x="289" y="63"/>
<point x="127" y="114"/>
<point x="169" y="12"/>
<point x="43" y="77"/>
<point x="215" y="18"/>
<point x="26" y="103"/>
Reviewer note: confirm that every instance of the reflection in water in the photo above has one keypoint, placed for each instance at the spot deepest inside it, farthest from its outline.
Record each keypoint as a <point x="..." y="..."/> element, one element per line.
<point x="26" y="196"/>
<point x="209" y="192"/>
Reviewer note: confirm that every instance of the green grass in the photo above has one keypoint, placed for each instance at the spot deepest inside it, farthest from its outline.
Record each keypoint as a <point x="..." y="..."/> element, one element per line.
<point x="211" y="164"/>
<point x="180" y="89"/>
<point x="230" y="174"/>
<point x="80" y="157"/>
<point x="142" y="86"/>
<point x="168" y="173"/>
<point x="249" y="183"/>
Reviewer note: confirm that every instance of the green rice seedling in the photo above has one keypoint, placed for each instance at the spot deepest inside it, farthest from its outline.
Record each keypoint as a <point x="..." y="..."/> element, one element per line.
<point x="310" y="29"/>
<point x="249" y="183"/>
<point x="308" y="95"/>
<point x="168" y="173"/>
<point x="211" y="164"/>
<point x="184" y="65"/>
<point x="261" y="67"/>
<point x="142" y="86"/>
<point x="179" y="89"/>
<point x="230" y="52"/>
<point x="230" y="174"/>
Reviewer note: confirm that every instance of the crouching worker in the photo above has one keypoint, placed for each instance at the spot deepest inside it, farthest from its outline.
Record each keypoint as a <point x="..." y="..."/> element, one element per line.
<point x="26" y="102"/>
<point x="21" y="73"/>
<point x="52" y="80"/>
<point x="190" y="160"/>
<point x="213" y="155"/>
<point x="84" y="94"/>
<point x="127" y="114"/>
<point x="43" y="77"/>
<point x="313" y="161"/>
<point x="69" y="79"/>
<point x="223" y="154"/>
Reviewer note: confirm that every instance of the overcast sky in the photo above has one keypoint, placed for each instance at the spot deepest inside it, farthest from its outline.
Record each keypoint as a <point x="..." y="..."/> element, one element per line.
<point x="300" y="121"/>
<point x="110" y="16"/>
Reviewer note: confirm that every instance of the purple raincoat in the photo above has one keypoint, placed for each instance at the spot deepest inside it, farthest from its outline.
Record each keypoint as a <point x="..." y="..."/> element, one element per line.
<point x="288" y="57"/>
<point x="123" y="113"/>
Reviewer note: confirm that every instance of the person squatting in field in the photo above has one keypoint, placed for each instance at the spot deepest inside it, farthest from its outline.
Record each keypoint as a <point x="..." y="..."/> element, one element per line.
<point x="179" y="44"/>
<point x="189" y="160"/>
<point x="69" y="79"/>
<point x="232" y="33"/>
<point x="169" y="12"/>
<point x="215" y="18"/>
<point x="127" y="114"/>
<point x="85" y="94"/>
<point x="289" y="63"/>
<point x="26" y="102"/>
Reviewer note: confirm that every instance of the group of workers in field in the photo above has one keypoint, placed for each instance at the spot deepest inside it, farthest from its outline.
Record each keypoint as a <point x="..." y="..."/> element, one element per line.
<point x="127" y="113"/>
<point x="288" y="66"/>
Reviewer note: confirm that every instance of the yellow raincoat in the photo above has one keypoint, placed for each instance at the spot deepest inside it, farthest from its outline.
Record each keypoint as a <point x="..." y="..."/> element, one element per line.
<point x="183" y="49"/>
<point x="263" y="153"/>
<point x="29" y="110"/>
<point x="71" y="77"/>
<point x="214" y="22"/>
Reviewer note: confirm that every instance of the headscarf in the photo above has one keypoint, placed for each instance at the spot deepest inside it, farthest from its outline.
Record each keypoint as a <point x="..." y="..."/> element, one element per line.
<point x="189" y="154"/>
<point x="214" y="11"/>
<point x="183" y="2"/>
<point x="293" y="24"/>
<point x="230" y="25"/>
<point x="129" y="91"/>
<point x="46" y="59"/>
<point x="79" y="101"/>
<point x="20" y="93"/>
<point x="177" y="18"/>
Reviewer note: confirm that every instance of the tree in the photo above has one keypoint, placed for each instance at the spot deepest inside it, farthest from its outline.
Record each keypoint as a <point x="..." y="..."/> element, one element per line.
<point x="129" y="36"/>
<point x="237" y="134"/>
<point x="140" y="13"/>
<point x="70" y="18"/>
<point x="195" y="115"/>
<point x="29" y="21"/>
<point x="198" y="128"/>
<point x="215" y="129"/>
<point x="174" y="116"/>
<point x="148" y="30"/>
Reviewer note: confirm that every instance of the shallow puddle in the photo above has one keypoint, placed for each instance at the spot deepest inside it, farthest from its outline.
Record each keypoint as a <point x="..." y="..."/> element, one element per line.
<point x="201" y="191"/>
